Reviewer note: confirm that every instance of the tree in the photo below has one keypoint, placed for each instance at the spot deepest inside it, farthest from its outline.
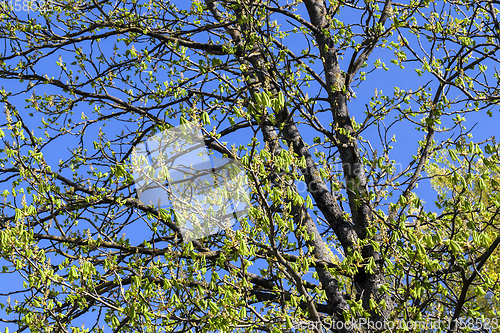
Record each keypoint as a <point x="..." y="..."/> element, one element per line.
<point x="285" y="83"/>
<point x="481" y="190"/>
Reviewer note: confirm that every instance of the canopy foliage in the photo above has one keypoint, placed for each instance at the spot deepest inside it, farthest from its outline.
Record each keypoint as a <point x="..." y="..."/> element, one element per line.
<point x="306" y="96"/>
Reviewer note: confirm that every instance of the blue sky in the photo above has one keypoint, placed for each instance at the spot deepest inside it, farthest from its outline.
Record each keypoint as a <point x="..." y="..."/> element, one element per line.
<point x="380" y="80"/>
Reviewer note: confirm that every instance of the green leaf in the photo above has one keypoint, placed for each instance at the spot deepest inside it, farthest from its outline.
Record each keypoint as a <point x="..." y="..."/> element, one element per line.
<point x="258" y="98"/>
<point x="18" y="215"/>
<point x="115" y="321"/>
<point x="281" y="99"/>
<point x="243" y="312"/>
<point x="213" y="307"/>
<point x="480" y="291"/>
<point x="380" y="162"/>
<point x="243" y="249"/>
<point x="453" y="155"/>
<point x="309" y="203"/>
<point x="454" y="247"/>
<point x="205" y="118"/>
<point x="370" y="266"/>
<point x="73" y="273"/>
<point x="266" y="101"/>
